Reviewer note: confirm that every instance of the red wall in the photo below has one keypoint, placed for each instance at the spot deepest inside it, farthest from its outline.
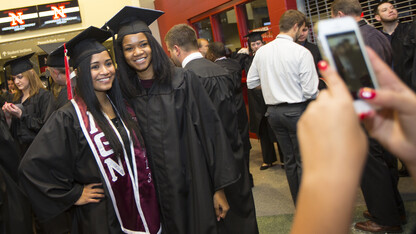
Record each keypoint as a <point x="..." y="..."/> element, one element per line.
<point x="180" y="11"/>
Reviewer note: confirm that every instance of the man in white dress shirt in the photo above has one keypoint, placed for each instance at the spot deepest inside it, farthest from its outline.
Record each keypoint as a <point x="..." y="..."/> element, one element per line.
<point x="285" y="71"/>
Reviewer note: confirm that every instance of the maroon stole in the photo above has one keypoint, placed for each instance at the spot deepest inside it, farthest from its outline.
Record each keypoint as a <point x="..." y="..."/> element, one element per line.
<point x="126" y="184"/>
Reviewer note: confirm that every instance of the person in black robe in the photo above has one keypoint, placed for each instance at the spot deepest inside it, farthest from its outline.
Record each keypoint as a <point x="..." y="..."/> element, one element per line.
<point x="56" y="66"/>
<point x="189" y="152"/>
<point x="28" y="110"/>
<point x="15" y="210"/>
<point x="67" y="167"/>
<point x="256" y="106"/>
<point x="220" y="86"/>
<point x="217" y="54"/>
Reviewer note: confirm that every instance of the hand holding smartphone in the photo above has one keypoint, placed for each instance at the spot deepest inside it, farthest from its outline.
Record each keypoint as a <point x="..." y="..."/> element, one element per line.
<point x="341" y="43"/>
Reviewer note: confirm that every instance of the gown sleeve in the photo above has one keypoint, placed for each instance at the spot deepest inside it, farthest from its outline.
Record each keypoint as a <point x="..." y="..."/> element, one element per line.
<point x="49" y="168"/>
<point x="35" y="121"/>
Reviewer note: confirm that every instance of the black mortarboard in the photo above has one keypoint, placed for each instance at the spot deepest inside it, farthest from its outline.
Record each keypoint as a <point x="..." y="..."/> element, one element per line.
<point x="255" y="35"/>
<point x="54" y="59"/>
<point x="85" y="44"/>
<point x="19" y="65"/>
<point x="131" y="20"/>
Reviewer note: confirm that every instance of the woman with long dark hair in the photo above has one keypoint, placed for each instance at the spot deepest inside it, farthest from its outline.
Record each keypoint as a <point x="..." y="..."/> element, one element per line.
<point x="189" y="153"/>
<point x="89" y="158"/>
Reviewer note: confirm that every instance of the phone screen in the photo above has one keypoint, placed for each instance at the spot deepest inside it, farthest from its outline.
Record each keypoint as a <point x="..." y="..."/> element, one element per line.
<point x="349" y="61"/>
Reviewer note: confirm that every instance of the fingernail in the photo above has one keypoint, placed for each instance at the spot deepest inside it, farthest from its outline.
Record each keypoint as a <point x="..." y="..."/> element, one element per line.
<point x="218" y="219"/>
<point x="365" y="115"/>
<point x="367" y="93"/>
<point x="322" y="65"/>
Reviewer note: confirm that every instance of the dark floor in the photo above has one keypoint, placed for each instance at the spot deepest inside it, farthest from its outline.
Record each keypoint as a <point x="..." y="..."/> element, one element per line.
<point x="274" y="206"/>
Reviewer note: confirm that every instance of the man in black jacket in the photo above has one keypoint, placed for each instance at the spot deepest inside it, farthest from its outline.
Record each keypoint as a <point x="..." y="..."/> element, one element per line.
<point x="303" y="40"/>
<point x="402" y="37"/>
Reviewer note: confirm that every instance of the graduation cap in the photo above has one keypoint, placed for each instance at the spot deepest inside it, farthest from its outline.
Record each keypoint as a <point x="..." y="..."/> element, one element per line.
<point x="256" y="35"/>
<point x="20" y="64"/>
<point x="54" y="59"/>
<point x="85" y="44"/>
<point x="131" y="20"/>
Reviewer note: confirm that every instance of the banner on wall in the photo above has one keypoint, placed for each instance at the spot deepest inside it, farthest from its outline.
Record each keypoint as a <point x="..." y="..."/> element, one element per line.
<point x="19" y="48"/>
<point x="40" y="16"/>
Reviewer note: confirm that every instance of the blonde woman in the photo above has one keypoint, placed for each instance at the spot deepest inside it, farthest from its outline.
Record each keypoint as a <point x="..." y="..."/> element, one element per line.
<point x="30" y="101"/>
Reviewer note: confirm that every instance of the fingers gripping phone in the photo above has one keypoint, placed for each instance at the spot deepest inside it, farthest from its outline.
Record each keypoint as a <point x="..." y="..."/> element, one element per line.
<point x="341" y="43"/>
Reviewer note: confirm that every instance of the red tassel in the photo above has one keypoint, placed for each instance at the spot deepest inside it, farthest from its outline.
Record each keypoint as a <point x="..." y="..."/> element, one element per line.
<point x="68" y="79"/>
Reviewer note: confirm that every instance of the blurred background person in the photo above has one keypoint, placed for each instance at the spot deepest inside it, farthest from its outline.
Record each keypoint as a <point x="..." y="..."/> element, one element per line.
<point x="303" y="40"/>
<point x="217" y="54"/>
<point x="203" y="46"/>
<point x="256" y="107"/>
<point x="387" y="212"/>
<point x="15" y="209"/>
<point x="402" y="37"/>
<point x="56" y="66"/>
<point x="30" y="102"/>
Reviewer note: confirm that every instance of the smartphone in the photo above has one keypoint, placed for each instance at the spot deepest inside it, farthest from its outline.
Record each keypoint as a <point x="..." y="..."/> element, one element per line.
<point x="342" y="45"/>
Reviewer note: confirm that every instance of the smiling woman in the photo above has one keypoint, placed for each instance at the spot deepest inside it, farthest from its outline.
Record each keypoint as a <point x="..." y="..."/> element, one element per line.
<point x="138" y="54"/>
<point x="102" y="72"/>
<point x="97" y="164"/>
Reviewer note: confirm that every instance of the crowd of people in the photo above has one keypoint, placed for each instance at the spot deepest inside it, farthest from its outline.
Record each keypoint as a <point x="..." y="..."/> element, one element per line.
<point x="156" y="144"/>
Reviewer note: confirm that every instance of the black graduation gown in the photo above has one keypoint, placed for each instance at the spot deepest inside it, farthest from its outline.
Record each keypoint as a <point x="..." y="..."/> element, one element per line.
<point x="33" y="117"/>
<point x="188" y="152"/>
<point x="57" y="102"/>
<point x="220" y="88"/>
<point x="54" y="170"/>
<point x="233" y="67"/>
<point x="257" y="120"/>
<point x="257" y="107"/>
<point x="244" y="60"/>
<point x="15" y="211"/>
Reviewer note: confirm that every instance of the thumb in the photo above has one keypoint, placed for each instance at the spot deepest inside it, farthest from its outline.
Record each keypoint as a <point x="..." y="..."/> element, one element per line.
<point x="336" y="86"/>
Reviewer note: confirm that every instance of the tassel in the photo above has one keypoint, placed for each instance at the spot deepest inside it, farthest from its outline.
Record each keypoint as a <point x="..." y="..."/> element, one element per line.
<point x="68" y="79"/>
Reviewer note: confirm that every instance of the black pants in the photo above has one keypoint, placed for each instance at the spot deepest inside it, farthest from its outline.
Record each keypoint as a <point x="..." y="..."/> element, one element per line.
<point x="283" y="120"/>
<point x="266" y="142"/>
<point x="379" y="186"/>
